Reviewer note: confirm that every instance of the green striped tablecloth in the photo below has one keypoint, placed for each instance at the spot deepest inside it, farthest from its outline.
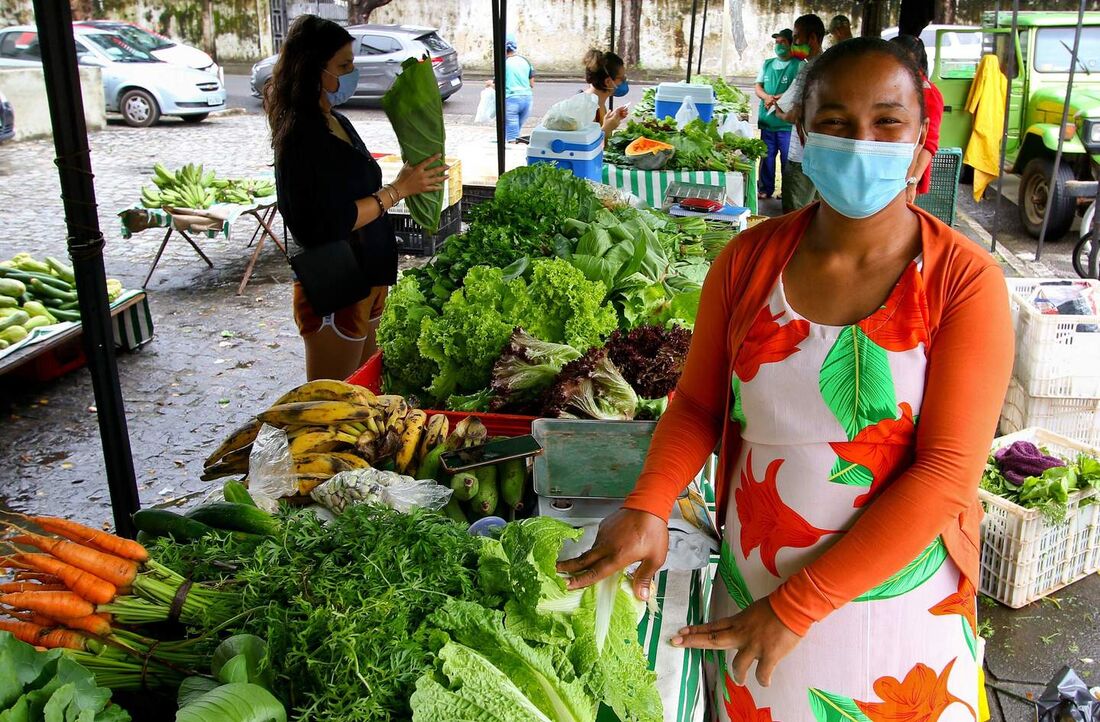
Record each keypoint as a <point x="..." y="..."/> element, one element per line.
<point x="651" y="185"/>
<point x="138" y="218"/>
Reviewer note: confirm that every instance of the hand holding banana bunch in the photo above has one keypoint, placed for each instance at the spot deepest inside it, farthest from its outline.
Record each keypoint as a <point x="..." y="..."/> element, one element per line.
<point x="193" y="187"/>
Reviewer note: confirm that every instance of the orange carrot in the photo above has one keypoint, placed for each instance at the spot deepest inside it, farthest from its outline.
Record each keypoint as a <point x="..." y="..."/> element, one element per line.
<point x="87" y="585"/>
<point x="59" y="605"/>
<point x="11" y="587"/>
<point x="43" y="636"/>
<point x="116" y="570"/>
<point x="28" y="576"/>
<point x="101" y="540"/>
<point x="98" y="624"/>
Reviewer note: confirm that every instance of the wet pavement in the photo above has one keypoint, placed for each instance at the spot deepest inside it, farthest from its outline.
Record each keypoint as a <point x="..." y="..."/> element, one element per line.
<point x="217" y="358"/>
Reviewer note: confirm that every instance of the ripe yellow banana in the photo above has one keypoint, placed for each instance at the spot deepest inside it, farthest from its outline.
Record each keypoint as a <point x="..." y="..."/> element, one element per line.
<point x="352" y="460"/>
<point x="327" y="390"/>
<point x="309" y="482"/>
<point x="316" y="413"/>
<point x="235" y="462"/>
<point x="311" y="441"/>
<point x="410" y="440"/>
<point x="320" y="464"/>
<point x="434" y="433"/>
<point x="239" y="438"/>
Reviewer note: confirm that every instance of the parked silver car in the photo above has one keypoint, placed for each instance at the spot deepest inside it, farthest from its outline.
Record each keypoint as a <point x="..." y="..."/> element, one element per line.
<point x="160" y="47"/>
<point x="135" y="84"/>
<point x="379" y="52"/>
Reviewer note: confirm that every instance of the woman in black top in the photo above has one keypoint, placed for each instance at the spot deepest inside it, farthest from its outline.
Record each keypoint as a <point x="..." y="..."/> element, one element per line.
<point x="330" y="188"/>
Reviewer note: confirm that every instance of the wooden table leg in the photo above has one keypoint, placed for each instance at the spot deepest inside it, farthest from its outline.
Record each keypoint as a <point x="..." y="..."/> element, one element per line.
<point x="251" y="264"/>
<point x="266" y="223"/>
<point x="196" y="247"/>
<point x="263" y="230"/>
<point x="156" y="260"/>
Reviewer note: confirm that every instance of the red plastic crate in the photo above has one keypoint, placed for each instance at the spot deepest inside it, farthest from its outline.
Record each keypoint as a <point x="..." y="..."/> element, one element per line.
<point x="369" y="375"/>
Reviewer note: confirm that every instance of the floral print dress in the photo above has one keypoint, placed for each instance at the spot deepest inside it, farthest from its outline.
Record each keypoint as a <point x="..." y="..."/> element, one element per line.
<point x="828" y="418"/>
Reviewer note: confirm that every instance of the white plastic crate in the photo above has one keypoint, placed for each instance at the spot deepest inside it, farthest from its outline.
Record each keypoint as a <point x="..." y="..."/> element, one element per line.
<point x="1024" y="557"/>
<point x="1078" y="419"/>
<point x="1056" y="355"/>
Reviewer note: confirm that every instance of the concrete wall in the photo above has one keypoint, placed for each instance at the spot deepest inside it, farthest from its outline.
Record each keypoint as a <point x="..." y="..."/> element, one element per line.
<point x="25" y="90"/>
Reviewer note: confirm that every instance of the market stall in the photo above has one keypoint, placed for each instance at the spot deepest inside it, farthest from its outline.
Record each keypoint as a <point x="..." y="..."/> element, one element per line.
<point x="40" y="320"/>
<point x="192" y="201"/>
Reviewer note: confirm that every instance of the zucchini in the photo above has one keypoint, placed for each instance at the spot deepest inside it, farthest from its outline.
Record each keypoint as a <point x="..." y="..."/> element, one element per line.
<point x="14" y="319"/>
<point x="27" y="276"/>
<point x="42" y="289"/>
<point x="14" y="334"/>
<point x="161" y="522"/>
<point x="465" y="485"/>
<point x="63" y="272"/>
<point x="484" y="502"/>
<point x="235" y="517"/>
<point x="34" y="308"/>
<point x="8" y="302"/>
<point x="29" y="264"/>
<point x="63" y="315"/>
<point x="12" y="287"/>
<point x="431" y="465"/>
<point x="237" y="493"/>
<point x="36" y="322"/>
<point x="513" y="474"/>
<point x="454" y="512"/>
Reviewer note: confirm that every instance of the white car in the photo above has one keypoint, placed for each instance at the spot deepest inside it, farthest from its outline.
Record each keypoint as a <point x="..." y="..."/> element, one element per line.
<point x="135" y="84"/>
<point x="956" y="47"/>
<point x="158" y="46"/>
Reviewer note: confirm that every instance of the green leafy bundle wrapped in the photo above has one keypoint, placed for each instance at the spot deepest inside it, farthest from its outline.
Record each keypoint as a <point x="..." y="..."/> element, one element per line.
<point x="415" y="111"/>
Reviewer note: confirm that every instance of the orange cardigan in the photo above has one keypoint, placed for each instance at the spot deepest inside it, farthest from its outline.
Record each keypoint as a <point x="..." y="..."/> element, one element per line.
<point x="969" y="363"/>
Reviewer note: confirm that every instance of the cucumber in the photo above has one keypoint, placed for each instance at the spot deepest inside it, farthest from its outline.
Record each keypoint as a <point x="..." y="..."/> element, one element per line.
<point x="484" y="503"/>
<point x="63" y="272"/>
<point x="14" y="319"/>
<point x="27" y="276"/>
<point x="69" y="305"/>
<point x="8" y="302"/>
<point x="161" y="522"/>
<point x="237" y="493"/>
<point x="12" y="287"/>
<point x="63" y="315"/>
<point x="465" y="485"/>
<point x="513" y="474"/>
<point x="42" y="289"/>
<point x="235" y="517"/>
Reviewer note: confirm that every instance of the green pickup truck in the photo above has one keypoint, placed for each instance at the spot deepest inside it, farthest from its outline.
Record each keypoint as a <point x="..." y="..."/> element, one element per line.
<point x="1038" y="80"/>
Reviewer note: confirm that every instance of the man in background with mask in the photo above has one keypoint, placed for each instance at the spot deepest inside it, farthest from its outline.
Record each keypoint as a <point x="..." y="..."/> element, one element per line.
<point x="775" y="77"/>
<point x="798" y="189"/>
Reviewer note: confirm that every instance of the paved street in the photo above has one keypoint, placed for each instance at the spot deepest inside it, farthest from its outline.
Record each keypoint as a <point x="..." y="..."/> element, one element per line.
<point x="218" y="358"/>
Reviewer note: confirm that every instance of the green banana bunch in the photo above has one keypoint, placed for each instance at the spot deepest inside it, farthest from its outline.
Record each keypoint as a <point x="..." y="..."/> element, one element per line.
<point x="151" y="198"/>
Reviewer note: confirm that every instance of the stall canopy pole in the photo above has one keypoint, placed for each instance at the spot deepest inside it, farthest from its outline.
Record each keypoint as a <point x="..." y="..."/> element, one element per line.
<point x="1052" y="186"/>
<point x="611" y="100"/>
<point x="691" y="38"/>
<point x="1010" y="72"/>
<point x="85" y="241"/>
<point x="702" y="37"/>
<point x="500" y="16"/>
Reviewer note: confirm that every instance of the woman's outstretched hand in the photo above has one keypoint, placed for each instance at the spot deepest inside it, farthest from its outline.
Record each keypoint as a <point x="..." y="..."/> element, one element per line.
<point x="421" y="178"/>
<point x="757" y="635"/>
<point x="625" y="537"/>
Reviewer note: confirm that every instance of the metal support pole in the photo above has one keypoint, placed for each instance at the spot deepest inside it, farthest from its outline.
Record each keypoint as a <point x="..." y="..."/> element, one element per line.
<point x="1052" y="186"/>
<point x="611" y="99"/>
<point x="691" y="38"/>
<point x="500" y="16"/>
<point x="1010" y="72"/>
<point x="702" y="37"/>
<point x="85" y="241"/>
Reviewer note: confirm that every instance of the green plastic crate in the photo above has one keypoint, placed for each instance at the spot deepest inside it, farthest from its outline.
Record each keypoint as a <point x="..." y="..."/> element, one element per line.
<point x="943" y="195"/>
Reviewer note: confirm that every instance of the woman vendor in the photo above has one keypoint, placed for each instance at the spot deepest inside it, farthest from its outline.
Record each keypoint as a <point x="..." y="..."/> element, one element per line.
<point x="605" y="74"/>
<point x="851" y="359"/>
<point x="331" y="197"/>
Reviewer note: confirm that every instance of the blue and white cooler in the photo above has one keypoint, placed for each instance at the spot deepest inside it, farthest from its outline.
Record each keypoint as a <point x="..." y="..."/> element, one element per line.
<point x="578" y="151"/>
<point x="670" y="96"/>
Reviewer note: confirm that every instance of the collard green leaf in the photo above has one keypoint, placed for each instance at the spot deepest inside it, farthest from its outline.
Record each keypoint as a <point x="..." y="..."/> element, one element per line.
<point x="828" y="707"/>
<point x="914" y="574"/>
<point x="237" y="702"/>
<point x="415" y="111"/>
<point x="856" y="382"/>
<point x="22" y="668"/>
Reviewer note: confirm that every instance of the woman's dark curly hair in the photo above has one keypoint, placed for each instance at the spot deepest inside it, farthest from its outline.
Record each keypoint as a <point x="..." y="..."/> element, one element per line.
<point x="857" y="48"/>
<point x="291" y="97"/>
<point x="915" y="47"/>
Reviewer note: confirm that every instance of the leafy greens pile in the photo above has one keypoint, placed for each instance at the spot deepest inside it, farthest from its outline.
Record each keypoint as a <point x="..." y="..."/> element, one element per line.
<point x="1027" y="475"/>
<point x="699" y="145"/>
<point x="415" y="110"/>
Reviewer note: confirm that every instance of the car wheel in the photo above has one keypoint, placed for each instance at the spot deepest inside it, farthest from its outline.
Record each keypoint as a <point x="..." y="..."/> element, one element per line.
<point x="139" y="109"/>
<point x="195" y="118"/>
<point x="1039" y="188"/>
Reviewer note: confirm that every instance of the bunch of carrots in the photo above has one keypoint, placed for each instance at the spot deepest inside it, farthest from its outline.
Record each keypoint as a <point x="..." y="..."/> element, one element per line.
<point x="82" y="582"/>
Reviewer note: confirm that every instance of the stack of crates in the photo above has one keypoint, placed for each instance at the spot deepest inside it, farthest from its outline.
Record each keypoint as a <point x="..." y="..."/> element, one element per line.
<point x="942" y="197"/>
<point x="1056" y="376"/>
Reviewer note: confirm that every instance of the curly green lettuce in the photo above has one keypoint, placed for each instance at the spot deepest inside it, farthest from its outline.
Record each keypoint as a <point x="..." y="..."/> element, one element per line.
<point x="407" y="371"/>
<point x="561" y="305"/>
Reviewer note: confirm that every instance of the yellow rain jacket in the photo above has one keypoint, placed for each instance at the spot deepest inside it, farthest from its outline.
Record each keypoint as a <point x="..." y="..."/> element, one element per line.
<point x="987" y="104"/>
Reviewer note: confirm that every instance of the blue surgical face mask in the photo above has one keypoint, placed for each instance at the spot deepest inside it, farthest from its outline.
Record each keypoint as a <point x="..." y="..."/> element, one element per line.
<point x="857" y="178"/>
<point x="621" y="89"/>
<point x="348" y="82"/>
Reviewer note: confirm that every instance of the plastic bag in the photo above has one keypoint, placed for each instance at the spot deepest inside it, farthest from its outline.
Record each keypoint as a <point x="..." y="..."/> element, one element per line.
<point x="573" y="113"/>
<point x="687" y="112"/>
<point x="366" y="486"/>
<point x="1067" y="699"/>
<point x="270" y="469"/>
<point x="486" y="107"/>
<point x="733" y="124"/>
